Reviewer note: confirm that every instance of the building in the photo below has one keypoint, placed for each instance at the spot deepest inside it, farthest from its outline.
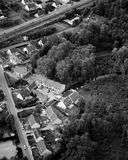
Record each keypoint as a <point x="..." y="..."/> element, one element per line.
<point x="56" y="87"/>
<point x="69" y="99"/>
<point x="64" y="1"/>
<point x="73" y="22"/>
<point x="31" y="7"/>
<point x="12" y="57"/>
<point x="33" y="123"/>
<point x="2" y="17"/>
<point x="37" y="136"/>
<point x="24" y="95"/>
<point x="25" y="2"/>
<point x="43" y="151"/>
<point x="52" y="116"/>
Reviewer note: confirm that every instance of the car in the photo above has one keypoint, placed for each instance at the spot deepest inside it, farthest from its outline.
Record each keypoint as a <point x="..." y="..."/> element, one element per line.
<point x="25" y="147"/>
<point x="22" y="127"/>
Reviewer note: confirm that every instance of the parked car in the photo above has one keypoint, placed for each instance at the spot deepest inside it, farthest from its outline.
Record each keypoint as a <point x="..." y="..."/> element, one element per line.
<point x="25" y="147"/>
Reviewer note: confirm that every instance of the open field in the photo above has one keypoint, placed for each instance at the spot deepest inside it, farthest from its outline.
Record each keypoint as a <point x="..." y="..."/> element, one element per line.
<point x="7" y="149"/>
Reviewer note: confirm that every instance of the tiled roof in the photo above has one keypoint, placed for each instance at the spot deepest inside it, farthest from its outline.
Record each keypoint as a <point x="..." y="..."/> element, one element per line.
<point x="32" y="85"/>
<point x="25" y="93"/>
<point x="67" y="101"/>
<point x="51" y="113"/>
<point x="41" y="147"/>
<point x="55" y="85"/>
<point x="36" y="133"/>
<point x="32" y="6"/>
<point x="50" y="83"/>
<point x="74" y="96"/>
<point x="28" y="1"/>
<point x="31" y="48"/>
<point x="32" y="120"/>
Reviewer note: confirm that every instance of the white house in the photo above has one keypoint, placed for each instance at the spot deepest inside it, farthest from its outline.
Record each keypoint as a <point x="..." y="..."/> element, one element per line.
<point x="25" y="2"/>
<point x="30" y="7"/>
<point x="64" y="1"/>
<point x="32" y="122"/>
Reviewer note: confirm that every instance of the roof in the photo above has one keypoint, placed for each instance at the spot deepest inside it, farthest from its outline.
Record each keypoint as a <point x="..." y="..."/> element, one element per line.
<point x="25" y="93"/>
<point x="32" y="6"/>
<point x="32" y="85"/>
<point x="74" y="96"/>
<point x="67" y="93"/>
<point x="44" y="121"/>
<point x="50" y="83"/>
<point x="65" y="1"/>
<point x="41" y="147"/>
<point x="42" y="97"/>
<point x="28" y="1"/>
<point x="31" y="120"/>
<point x="51" y="114"/>
<point x="36" y="133"/>
<point x="67" y="101"/>
<point x="31" y="48"/>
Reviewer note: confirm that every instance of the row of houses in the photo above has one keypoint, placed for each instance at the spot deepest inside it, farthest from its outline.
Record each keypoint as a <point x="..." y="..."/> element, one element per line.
<point x="32" y="5"/>
<point x="54" y="113"/>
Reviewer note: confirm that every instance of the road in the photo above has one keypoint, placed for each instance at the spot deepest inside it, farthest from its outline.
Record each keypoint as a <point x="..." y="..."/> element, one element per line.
<point x="40" y="21"/>
<point x="11" y="107"/>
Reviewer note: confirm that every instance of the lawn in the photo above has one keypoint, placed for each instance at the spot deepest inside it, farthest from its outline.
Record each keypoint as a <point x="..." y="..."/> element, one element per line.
<point x="7" y="149"/>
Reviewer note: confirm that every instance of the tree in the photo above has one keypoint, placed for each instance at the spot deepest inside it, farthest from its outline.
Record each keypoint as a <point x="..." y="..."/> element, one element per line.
<point x="46" y="66"/>
<point x="63" y="70"/>
<point x="121" y="57"/>
<point x="1" y="95"/>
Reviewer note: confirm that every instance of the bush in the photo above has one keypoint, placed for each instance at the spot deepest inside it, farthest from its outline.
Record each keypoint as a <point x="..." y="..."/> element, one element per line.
<point x="25" y="113"/>
<point x="41" y="33"/>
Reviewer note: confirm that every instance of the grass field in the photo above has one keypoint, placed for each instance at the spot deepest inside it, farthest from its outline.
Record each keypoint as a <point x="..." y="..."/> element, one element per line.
<point x="7" y="149"/>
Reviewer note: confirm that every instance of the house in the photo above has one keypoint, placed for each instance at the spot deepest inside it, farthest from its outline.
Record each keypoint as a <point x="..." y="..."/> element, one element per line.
<point x="40" y="43"/>
<point x="12" y="57"/>
<point x="73" y="22"/>
<point x="24" y="95"/>
<point x="69" y="99"/>
<point x="37" y="136"/>
<point x="64" y="1"/>
<point x="29" y="49"/>
<point x="56" y="87"/>
<point x="32" y="122"/>
<point x="31" y="7"/>
<point x="43" y="151"/>
<point x="52" y="115"/>
<point x="25" y="2"/>
<point x="2" y="17"/>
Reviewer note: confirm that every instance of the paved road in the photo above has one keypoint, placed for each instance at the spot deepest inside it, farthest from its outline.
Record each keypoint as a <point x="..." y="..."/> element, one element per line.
<point x="11" y="106"/>
<point x="40" y="21"/>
